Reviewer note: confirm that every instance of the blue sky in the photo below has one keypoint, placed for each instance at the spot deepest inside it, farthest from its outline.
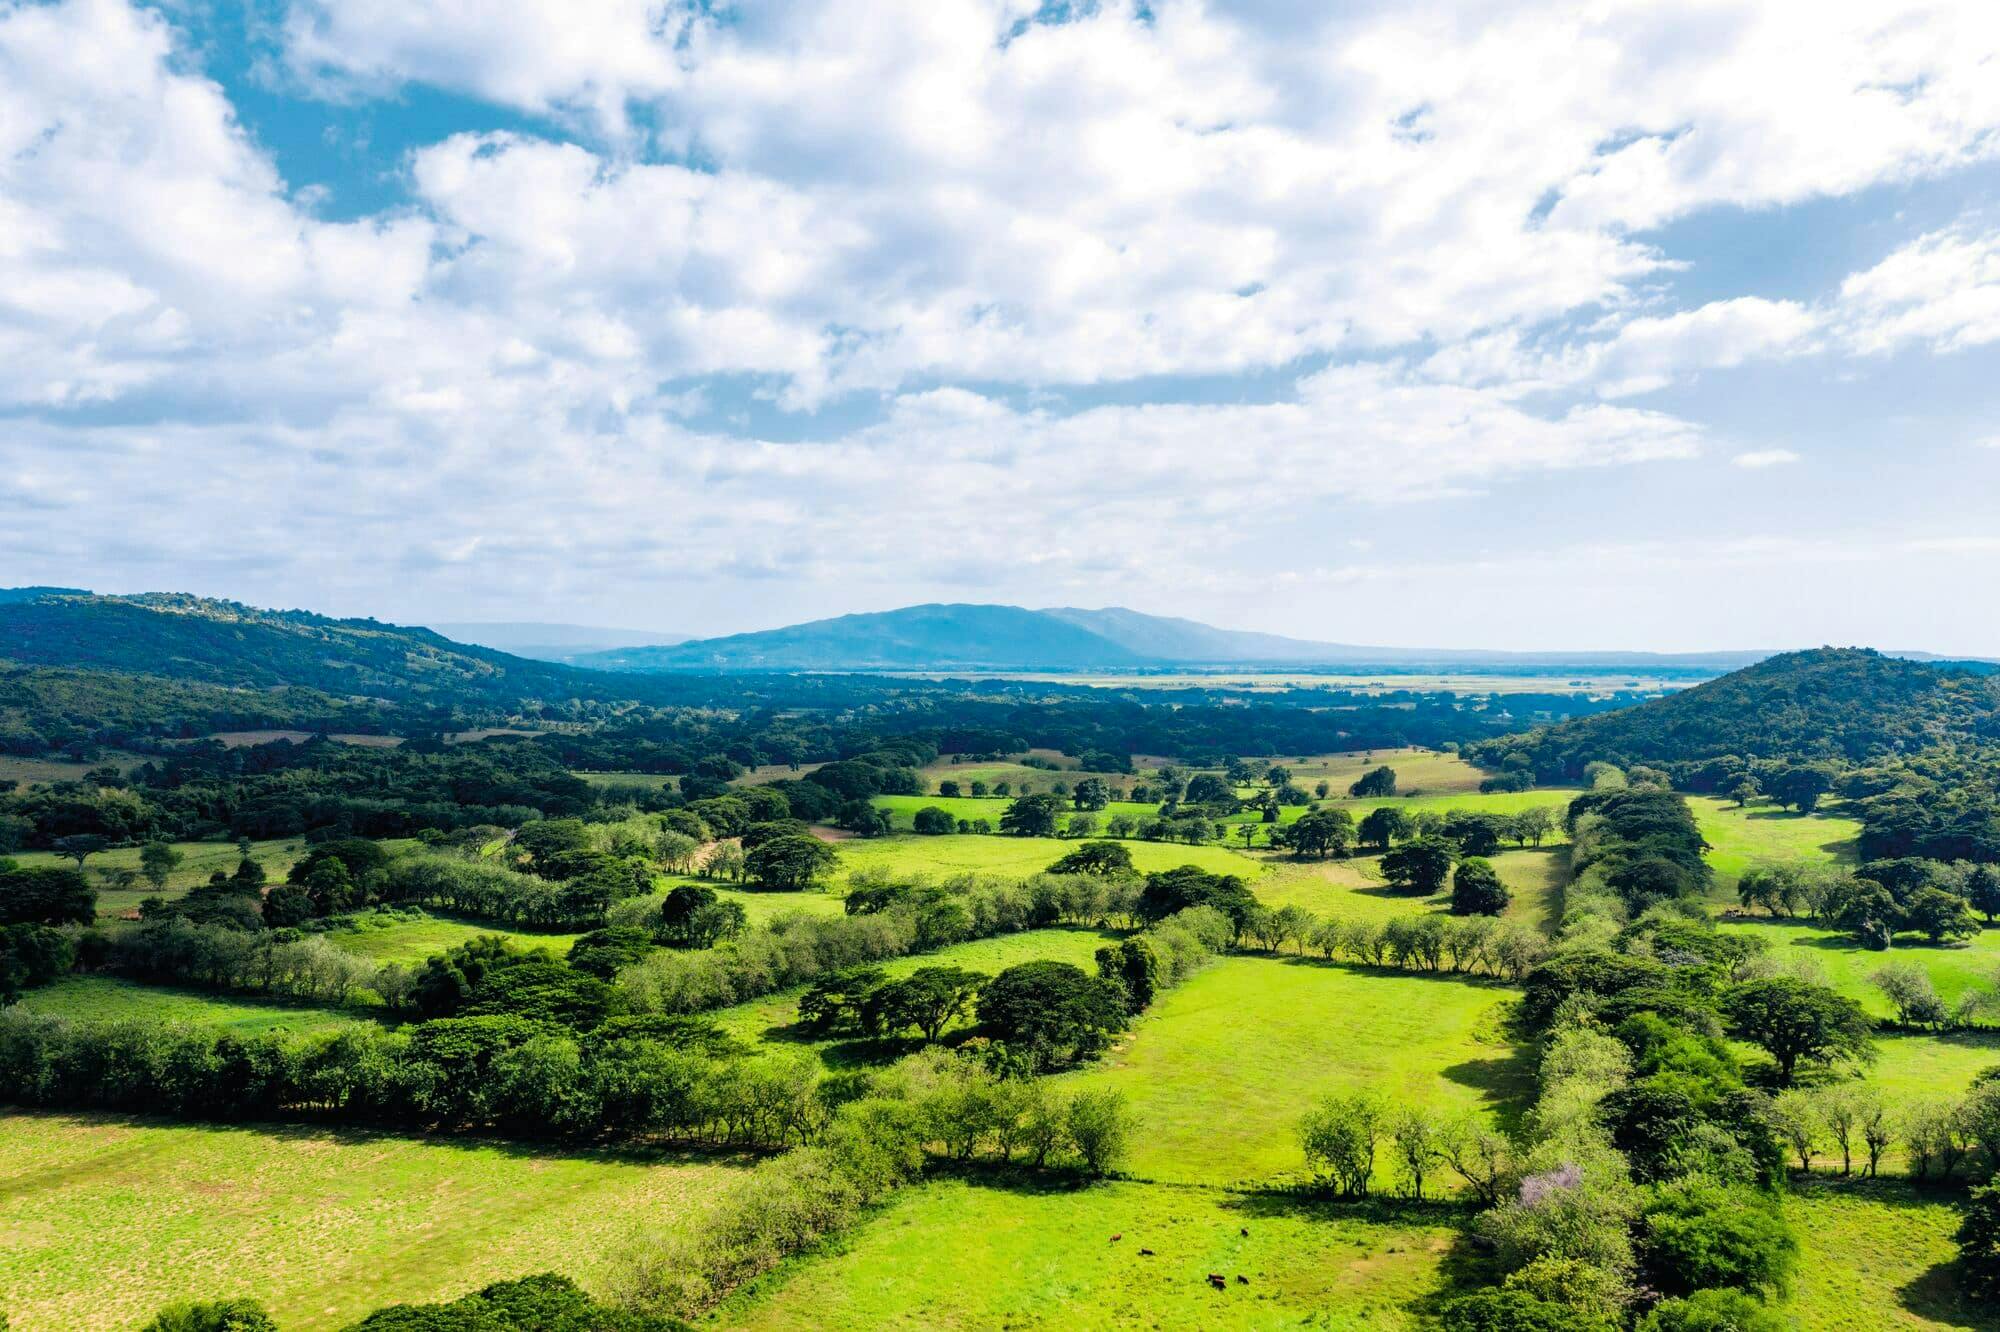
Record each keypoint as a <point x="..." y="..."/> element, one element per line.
<point x="1444" y="322"/>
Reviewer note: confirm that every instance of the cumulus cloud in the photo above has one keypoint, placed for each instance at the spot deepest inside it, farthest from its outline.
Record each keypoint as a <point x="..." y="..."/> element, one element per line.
<point x="1415" y="230"/>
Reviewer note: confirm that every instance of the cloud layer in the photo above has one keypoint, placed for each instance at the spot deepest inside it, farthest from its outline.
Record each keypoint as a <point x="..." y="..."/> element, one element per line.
<point x="1054" y="288"/>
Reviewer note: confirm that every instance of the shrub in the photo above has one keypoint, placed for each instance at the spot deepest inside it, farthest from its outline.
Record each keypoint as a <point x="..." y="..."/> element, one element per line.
<point x="217" y="1316"/>
<point x="1713" y="1311"/>
<point x="1697" y="1234"/>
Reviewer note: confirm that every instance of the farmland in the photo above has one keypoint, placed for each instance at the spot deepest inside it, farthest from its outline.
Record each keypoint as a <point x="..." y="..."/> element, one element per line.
<point x="108" y="1218"/>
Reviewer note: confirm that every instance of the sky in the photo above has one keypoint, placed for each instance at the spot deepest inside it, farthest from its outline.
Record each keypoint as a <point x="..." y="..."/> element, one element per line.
<point x="1434" y="322"/>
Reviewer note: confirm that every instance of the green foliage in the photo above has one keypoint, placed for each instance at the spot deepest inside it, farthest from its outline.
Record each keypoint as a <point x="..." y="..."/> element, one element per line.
<point x="1476" y="889"/>
<point x="1696" y="1234"/>
<point x="790" y="863"/>
<point x="1095" y="858"/>
<point x="546" y="1303"/>
<point x="1798" y="1021"/>
<point x="1979" y="1243"/>
<point x="240" y="1315"/>
<point x="1375" y="784"/>
<point x="1054" y="1013"/>
<point x="1419" y="866"/>
<point x="1714" y="1311"/>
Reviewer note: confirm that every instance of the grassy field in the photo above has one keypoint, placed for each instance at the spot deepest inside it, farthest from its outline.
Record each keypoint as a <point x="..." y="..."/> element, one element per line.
<point x="1846" y="965"/>
<point x="28" y="771"/>
<point x="1877" y="1256"/>
<point x="413" y="941"/>
<point x="1919" y="1067"/>
<point x="244" y="739"/>
<point x="106" y="1219"/>
<point x="1221" y="1068"/>
<point x="960" y="1256"/>
<point x="198" y="861"/>
<point x="1740" y="838"/>
<point x="105" y="997"/>
<point x="1018" y="857"/>
<point x="656" y="781"/>
<point x="771" y="1020"/>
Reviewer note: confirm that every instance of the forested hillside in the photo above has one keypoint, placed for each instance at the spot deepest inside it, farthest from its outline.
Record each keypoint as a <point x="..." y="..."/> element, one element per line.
<point x="1840" y="704"/>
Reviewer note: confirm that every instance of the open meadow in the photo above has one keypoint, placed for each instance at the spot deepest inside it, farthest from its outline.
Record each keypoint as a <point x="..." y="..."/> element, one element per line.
<point x="963" y="1255"/>
<point x="108" y="998"/>
<point x="1758" y="833"/>
<point x="198" y="861"/>
<point x="105" y="1218"/>
<point x="1219" y="1071"/>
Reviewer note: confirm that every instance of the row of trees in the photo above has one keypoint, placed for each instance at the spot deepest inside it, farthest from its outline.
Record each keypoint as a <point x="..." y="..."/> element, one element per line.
<point x="1881" y="899"/>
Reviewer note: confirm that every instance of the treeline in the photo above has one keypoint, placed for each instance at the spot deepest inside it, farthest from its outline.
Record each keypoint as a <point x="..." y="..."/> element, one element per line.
<point x="544" y="1303"/>
<point x="1649" y="1181"/>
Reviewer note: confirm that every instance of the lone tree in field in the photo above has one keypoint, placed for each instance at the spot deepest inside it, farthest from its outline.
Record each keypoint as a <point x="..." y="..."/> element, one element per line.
<point x="1419" y="866"/>
<point x="1374" y="784"/>
<point x="1476" y="890"/>
<point x="1092" y="793"/>
<point x="1106" y="858"/>
<point x="1322" y="833"/>
<point x="932" y="821"/>
<point x="1797" y="1021"/>
<point x="790" y="863"/>
<point x="1032" y="816"/>
<point x="694" y="917"/>
<point x="1380" y="827"/>
<point x="158" y="861"/>
<point x="80" y="846"/>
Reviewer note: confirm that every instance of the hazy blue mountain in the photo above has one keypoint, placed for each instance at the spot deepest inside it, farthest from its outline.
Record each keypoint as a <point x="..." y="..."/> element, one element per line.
<point x="968" y="637"/>
<point x="932" y="637"/>
<point x="551" y="642"/>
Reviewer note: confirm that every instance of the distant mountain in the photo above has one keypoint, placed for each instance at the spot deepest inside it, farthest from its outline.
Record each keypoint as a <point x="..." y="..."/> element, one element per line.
<point x="950" y="637"/>
<point x="552" y="642"/>
<point x="1829" y="703"/>
<point x="932" y="637"/>
<point x="222" y="643"/>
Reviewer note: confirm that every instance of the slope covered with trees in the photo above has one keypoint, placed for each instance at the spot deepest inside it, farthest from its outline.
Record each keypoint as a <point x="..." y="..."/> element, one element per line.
<point x="1847" y="705"/>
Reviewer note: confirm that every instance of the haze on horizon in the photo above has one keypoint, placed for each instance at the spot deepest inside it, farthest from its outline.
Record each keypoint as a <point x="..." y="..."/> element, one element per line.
<point x="1418" y="324"/>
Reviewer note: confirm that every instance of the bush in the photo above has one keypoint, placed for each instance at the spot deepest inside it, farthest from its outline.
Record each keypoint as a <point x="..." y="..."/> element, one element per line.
<point x="218" y="1316"/>
<point x="1713" y="1311"/>
<point x="1979" y="1243"/>
<point x="1476" y="890"/>
<point x="1101" y="1126"/>
<point x="546" y="1303"/>
<point x="1696" y="1235"/>
<point x="1518" y="1311"/>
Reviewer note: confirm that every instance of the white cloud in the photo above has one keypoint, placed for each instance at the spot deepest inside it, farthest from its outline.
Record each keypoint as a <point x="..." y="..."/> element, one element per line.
<point x="1941" y="291"/>
<point x="1761" y="458"/>
<point x="947" y="204"/>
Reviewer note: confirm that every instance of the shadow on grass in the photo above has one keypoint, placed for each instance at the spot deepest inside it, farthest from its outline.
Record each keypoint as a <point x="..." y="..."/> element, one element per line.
<point x="307" y="1132"/>
<point x="1936" y="1294"/>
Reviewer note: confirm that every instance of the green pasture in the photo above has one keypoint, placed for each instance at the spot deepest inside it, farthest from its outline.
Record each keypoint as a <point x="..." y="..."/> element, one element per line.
<point x="1220" y="1069"/>
<point x="1740" y="838"/>
<point x="108" y="1218"/>
<point x="1846" y="965"/>
<point x="958" y="1256"/>
<point x="1018" y="857"/>
<point x="1878" y="1255"/>
<point x="106" y="998"/>
<point x="1912" y="1066"/>
<point x="410" y="942"/>
<point x="772" y="1020"/>
<point x="28" y="771"/>
<point x="198" y="861"/>
<point x="654" y="781"/>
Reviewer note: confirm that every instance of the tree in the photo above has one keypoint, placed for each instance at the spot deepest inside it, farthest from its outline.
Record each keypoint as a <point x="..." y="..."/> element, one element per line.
<point x="1376" y="783"/>
<point x="1121" y="825"/>
<point x="1982" y="889"/>
<point x="1697" y="1234"/>
<point x="158" y="861"/>
<point x="1474" y="834"/>
<point x="932" y="821"/>
<point x="1277" y="775"/>
<point x="1032" y="816"/>
<point x="928" y="999"/>
<point x="1205" y="788"/>
<point x="45" y="895"/>
<point x="1718" y="1310"/>
<point x="1103" y="858"/>
<point x="1101" y="1125"/>
<point x="1338" y="1136"/>
<point x="1418" y="1137"/>
<point x="1321" y="833"/>
<point x="790" y="863"/>
<point x="1940" y="915"/>
<point x="1794" y="1020"/>
<point x="1168" y="891"/>
<point x="1744" y="790"/>
<point x="1091" y="793"/>
<point x="1055" y="1012"/>
<point x="694" y="916"/>
<point x="80" y="846"/>
<point x="1476" y="890"/>
<point x="1419" y="866"/>
<point x="1979" y="1243"/>
<point x="1801" y="787"/>
<point x="1383" y="825"/>
<point x="1134" y="966"/>
<point x="1917" y="1002"/>
<point x="1531" y="825"/>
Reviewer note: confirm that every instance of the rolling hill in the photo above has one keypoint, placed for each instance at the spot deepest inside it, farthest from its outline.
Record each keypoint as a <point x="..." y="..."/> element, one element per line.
<point x="1849" y="704"/>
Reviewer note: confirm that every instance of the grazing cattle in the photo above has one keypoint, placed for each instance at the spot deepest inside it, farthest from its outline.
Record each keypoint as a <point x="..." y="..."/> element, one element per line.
<point x="1119" y="1236"/>
<point x="1245" y="1232"/>
<point x="1145" y="1253"/>
<point x="1242" y="1280"/>
<point x="1216" y="1279"/>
